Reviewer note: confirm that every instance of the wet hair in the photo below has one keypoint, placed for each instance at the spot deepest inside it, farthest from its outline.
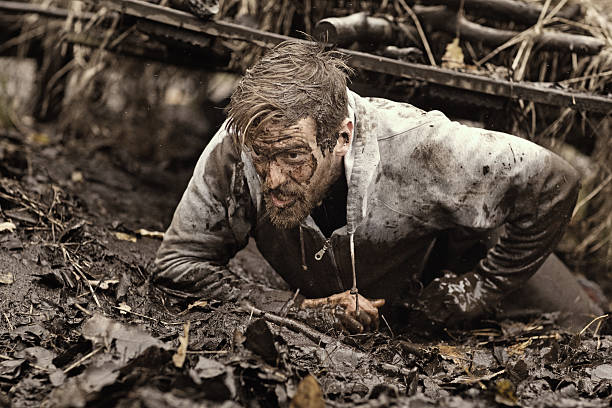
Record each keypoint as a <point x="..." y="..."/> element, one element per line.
<point x="294" y="80"/>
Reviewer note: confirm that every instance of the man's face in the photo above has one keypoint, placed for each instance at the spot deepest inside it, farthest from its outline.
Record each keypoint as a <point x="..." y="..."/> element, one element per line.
<point x="294" y="172"/>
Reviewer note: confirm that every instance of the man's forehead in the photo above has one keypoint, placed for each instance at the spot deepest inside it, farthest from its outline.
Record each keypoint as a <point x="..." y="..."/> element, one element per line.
<point x="301" y="132"/>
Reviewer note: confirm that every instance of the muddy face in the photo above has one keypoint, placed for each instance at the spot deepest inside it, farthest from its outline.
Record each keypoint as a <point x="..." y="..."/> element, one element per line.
<point x="294" y="172"/>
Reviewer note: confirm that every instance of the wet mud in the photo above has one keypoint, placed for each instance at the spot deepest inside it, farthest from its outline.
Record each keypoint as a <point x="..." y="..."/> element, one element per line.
<point x="80" y="325"/>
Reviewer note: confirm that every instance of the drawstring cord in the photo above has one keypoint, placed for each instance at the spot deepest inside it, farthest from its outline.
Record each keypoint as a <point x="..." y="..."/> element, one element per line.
<point x="304" y="267"/>
<point x="354" y="290"/>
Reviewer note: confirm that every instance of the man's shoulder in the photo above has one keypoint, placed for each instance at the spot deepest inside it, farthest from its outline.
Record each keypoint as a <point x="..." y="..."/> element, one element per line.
<point x="393" y="119"/>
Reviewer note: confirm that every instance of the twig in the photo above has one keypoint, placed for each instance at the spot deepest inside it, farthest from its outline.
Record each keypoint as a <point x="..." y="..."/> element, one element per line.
<point x="592" y="321"/>
<point x="91" y="290"/>
<point x="398" y="370"/>
<point x="83" y="359"/>
<point x="82" y="309"/>
<point x="592" y="194"/>
<point x="387" y="324"/>
<point x="417" y="24"/>
<point x="10" y="325"/>
<point x="5" y="357"/>
<point x="294" y="325"/>
<point x="582" y="78"/>
<point x="147" y="317"/>
<point x="207" y="351"/>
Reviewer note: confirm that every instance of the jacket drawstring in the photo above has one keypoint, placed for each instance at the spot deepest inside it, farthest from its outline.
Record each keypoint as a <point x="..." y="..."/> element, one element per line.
<point x="354" y="290"/>
<point x="304" y="267"/>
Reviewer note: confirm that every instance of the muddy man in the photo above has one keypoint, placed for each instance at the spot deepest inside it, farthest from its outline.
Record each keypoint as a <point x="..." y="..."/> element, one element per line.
<point x="365" y="204"/>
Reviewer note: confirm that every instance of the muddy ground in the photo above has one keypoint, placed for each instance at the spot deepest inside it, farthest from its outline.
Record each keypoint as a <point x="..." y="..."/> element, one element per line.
<point x="80" y="326"/>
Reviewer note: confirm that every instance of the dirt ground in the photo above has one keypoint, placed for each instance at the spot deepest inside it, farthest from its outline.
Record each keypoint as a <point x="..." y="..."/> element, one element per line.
<point x="80" y="326"/>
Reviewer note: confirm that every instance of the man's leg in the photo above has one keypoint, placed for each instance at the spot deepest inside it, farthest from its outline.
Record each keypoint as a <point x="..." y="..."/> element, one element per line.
<point x="553" y="288"/>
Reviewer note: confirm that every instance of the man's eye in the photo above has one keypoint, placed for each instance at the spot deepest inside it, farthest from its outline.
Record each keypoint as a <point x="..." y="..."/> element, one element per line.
<point x="293" y="157"/>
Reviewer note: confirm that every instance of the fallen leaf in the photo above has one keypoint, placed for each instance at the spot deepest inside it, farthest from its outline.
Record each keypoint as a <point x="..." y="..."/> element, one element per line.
<point x="39" y="138"/>
<point x="505" y="393"/>
<point x="105" y="284"/>
<point x="519" y="348"/>
<point x="197" y="303"/>
<point x="152" y="234"/>
<point x="125" y="237"/>
<point x="6" y="277"/>
<point x="308" y="394"/>
<point x="179" y="357"/>
<point x="128" y="341"/>
<point x="76" y="176"/>
<point x="453" y="57"/>
<point x="603" y="371"/>
<point x="124" y="308"/>
<point x="7" y="226"/>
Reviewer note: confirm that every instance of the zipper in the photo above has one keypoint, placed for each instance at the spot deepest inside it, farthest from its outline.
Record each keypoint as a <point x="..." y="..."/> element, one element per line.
<point x="326" y="245"/>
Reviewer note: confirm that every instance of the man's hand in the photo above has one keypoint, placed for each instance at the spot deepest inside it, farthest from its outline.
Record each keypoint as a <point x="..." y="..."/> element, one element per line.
<point x="366" y="319"/>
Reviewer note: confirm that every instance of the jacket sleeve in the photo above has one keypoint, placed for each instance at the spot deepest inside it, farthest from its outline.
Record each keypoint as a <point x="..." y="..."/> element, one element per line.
<point x="489" y="180"/>
<point x="210" y="224"/>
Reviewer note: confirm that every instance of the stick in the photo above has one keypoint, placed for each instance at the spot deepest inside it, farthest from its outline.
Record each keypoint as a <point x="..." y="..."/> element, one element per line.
<point x="417" y="24"/>
<point x="592" y="321"/>
<point x="83" y="359"/>
<point x="147" y="317"/>
<point x="294" y="325"/>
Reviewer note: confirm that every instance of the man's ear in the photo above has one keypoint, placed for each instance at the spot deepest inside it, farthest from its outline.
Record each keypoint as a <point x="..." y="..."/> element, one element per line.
<point x="345" y="137"/>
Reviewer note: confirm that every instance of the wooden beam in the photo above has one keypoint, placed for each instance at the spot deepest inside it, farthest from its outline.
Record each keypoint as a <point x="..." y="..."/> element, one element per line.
<point x="441" y="76"/>
<point x="461" y="80"/>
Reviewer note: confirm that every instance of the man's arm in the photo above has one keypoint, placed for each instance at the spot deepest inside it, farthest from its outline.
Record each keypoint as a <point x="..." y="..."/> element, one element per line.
<point x="210" y="224"/>
<point x="498" y="180"/>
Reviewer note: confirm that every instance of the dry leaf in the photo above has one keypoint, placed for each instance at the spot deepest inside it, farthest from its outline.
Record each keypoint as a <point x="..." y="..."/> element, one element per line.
<point x="153" y="234"/>
<point x="77" y="176"/>
<point x="125" y="237"/>
<point x="308" y="394"/>
<point x="39" y="138"/>
<point x="104" y="285"/>
<point x="6" y="277"/>
<point x="505" y="393"/>
<point x="124" y="308"/>
<point x="197" y="303"/>
<point x="453" y="57"/>
<point x="7" y="226"/>
<point x="453" y="353"/>
<point x="179" y="357"/>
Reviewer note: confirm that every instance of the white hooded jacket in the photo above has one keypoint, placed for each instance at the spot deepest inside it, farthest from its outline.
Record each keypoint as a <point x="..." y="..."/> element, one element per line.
<point x="411" y="175"/>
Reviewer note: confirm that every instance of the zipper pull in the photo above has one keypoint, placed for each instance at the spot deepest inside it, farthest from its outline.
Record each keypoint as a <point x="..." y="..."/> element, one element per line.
<point x="326" y="245"/>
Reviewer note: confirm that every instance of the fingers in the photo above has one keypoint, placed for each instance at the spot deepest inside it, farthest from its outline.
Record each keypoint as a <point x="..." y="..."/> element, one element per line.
<point x="349" y="323"/>
<point x="377" y="302"/>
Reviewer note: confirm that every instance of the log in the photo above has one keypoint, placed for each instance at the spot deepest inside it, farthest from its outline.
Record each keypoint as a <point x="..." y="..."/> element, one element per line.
<point x="504" y="10"/>
<point x="344" y="31"/>
<point x="441" y="18"/>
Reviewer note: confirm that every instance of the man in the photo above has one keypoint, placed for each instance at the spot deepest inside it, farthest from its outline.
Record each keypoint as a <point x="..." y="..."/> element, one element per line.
<point x="348" y="198"/>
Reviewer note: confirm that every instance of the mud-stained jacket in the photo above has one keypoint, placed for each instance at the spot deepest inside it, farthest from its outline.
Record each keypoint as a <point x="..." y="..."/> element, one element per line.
<point x="411" y="175"/>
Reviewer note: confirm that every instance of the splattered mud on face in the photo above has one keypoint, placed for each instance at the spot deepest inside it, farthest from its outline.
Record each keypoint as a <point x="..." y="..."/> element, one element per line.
<point x="294" y="173"/>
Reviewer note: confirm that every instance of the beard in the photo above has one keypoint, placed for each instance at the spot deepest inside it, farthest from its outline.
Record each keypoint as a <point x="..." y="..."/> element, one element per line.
<point x="291" y="215"/>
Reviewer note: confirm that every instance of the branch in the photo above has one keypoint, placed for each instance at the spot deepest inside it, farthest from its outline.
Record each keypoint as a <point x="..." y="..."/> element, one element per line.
<point x="505" y="9"/>
<point x="440" y="18"/>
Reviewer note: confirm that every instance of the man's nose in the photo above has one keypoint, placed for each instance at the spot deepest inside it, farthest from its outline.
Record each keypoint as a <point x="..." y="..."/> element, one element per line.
<point x="275" y="178"/>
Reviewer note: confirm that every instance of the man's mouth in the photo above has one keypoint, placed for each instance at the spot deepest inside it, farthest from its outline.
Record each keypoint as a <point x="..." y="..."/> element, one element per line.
<point x="281" y="201"/>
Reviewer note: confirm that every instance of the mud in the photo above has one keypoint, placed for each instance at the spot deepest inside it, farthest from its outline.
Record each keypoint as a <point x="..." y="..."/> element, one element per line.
<point x="80" y="325"/>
